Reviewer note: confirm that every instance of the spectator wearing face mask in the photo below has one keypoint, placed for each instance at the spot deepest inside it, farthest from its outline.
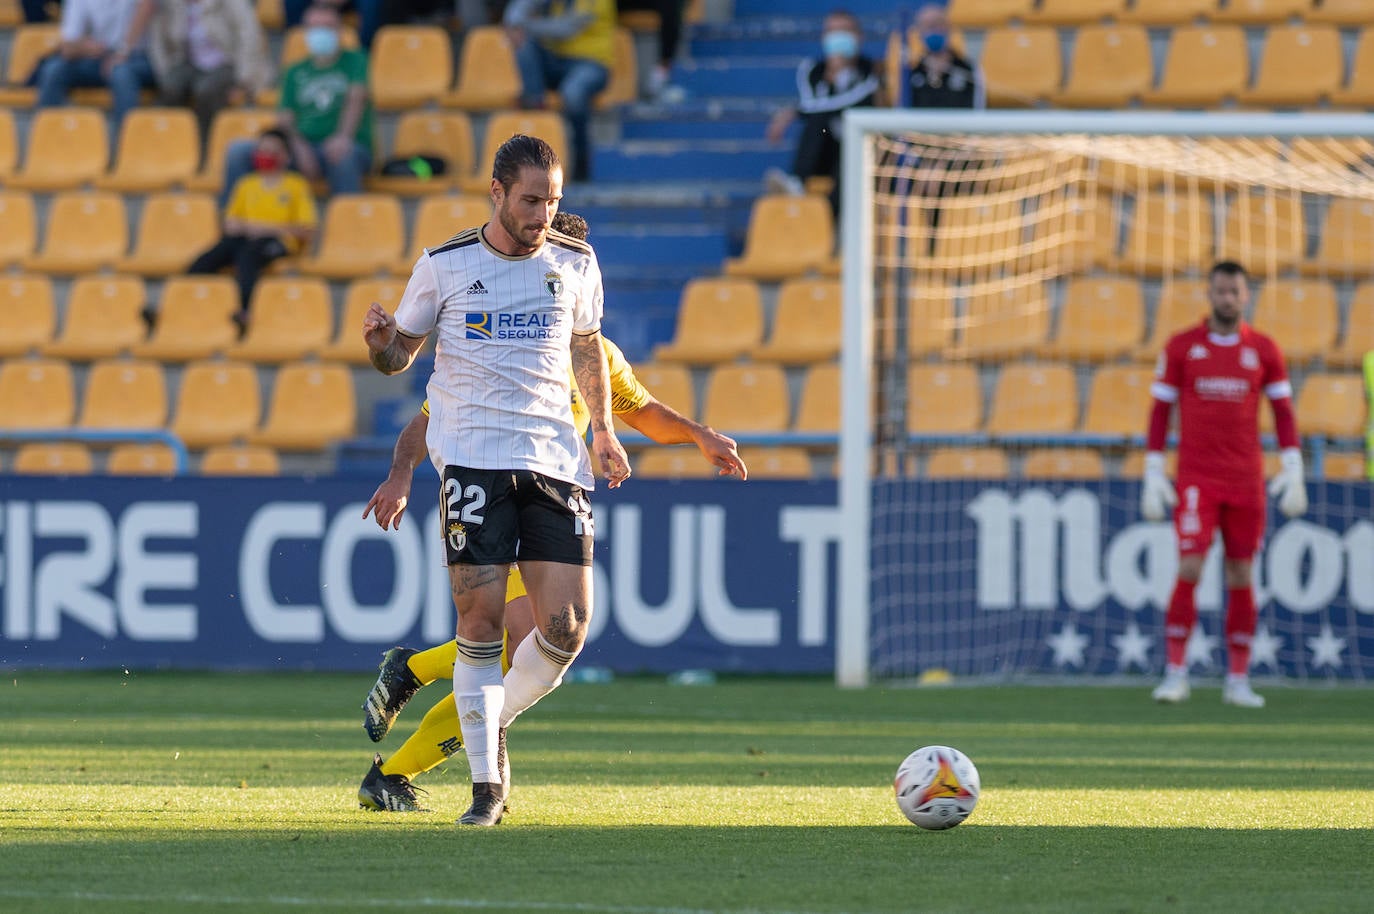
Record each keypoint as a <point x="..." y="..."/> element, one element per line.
<point x="843" y="78"/>
<point x="941" y="77"/>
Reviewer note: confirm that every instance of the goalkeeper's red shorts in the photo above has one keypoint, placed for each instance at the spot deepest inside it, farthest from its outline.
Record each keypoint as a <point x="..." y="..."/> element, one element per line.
<point x="1203" y="509"/>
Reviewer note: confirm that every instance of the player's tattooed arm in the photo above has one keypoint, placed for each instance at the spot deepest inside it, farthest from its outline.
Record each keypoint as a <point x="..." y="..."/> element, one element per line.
<point x="389" y="349"/>
<point x="593" y="377"/>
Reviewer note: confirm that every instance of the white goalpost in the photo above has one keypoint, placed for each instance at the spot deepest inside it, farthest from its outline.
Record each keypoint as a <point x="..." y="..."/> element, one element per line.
<point x="1007" y="278"/>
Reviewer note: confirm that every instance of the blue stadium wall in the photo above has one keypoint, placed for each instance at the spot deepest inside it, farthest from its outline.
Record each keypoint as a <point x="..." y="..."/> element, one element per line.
<point x="984" y="579"/>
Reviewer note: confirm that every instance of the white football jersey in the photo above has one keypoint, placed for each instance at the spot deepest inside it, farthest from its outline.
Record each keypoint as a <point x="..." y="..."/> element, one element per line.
<point x="500" y="397"/>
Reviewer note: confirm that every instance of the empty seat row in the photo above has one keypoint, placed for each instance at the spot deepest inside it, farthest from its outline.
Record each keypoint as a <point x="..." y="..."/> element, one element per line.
<point x="1087" y="463"/>
<point x="985" y="13"/>
<point x="72" y="458"/>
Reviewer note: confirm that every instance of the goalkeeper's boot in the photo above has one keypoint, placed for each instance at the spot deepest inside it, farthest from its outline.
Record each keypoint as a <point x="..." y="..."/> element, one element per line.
<point x="395" y="686"/>
<point x="1174" y="689"/>
<point x="487" y="807"/>
<point x="1237" y="692"/>
<point x="388" y="792"/>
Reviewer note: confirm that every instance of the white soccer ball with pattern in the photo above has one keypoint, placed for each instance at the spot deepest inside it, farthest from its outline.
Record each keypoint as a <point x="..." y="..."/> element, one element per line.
<point x="937" y="787"/>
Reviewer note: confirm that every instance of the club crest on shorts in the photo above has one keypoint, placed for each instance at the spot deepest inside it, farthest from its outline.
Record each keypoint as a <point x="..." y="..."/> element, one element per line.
<point x="554" y="283"/>
<point x="457" y="536"/>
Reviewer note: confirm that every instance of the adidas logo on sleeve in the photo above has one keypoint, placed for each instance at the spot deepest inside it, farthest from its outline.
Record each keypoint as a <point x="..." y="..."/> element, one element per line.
<point x="477" y="288"/>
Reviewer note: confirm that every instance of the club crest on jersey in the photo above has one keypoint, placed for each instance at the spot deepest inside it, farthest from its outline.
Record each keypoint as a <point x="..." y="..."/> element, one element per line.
<point x="1198" y="351"/>
<point x="1249" y="358"/>
<point x="554" y="283"/>
<point x="457" y="536"/>
<point x="478" y="325"/>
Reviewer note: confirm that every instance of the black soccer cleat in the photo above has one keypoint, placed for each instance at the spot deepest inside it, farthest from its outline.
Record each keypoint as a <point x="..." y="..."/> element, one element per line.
<point x="395" y="686"/>
<point x="487" y="806"/>
<point x="388" y="792"/>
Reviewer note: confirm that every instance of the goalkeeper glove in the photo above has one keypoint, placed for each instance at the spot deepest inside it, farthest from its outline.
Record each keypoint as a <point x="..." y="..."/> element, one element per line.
<point x="1156" y="493"/>
<point x="1288" y="486"/>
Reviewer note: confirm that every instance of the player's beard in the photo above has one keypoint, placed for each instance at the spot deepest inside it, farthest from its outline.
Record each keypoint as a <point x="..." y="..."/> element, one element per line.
<point x="528" y="237"/>
<point x="1223" y="323"/>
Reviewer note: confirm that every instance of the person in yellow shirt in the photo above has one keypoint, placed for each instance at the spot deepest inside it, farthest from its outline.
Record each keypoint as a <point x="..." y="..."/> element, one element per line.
<point x="271" y="214"/>
<point x="404" y="671"/>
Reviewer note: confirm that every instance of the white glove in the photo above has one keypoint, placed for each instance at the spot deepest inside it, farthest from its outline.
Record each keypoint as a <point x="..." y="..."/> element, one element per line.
<point x="1288" y="486"/>
<point x="1156" y="493"/>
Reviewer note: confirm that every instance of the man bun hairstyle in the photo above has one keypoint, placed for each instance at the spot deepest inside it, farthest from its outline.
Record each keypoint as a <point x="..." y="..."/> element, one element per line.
<point x="518" y="152"/>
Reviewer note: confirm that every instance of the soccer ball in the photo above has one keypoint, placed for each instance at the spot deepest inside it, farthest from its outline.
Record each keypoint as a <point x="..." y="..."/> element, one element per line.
<point x="937" y="787"/>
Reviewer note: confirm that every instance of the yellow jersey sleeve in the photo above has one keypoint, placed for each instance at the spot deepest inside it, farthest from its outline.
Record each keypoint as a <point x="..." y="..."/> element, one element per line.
<point x="627" y="394"/>
<point x="424" y="408"/>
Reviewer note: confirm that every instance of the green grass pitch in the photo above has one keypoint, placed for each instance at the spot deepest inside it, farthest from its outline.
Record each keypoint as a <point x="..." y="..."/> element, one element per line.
<point x="233" y="793"/>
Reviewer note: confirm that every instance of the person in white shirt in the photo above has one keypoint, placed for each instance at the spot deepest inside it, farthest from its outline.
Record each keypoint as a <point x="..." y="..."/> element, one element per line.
<point x="103" y="45"/>
<point x="515" y="306"/>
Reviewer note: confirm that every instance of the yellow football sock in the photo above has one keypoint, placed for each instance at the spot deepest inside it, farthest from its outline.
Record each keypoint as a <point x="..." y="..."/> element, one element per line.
<point x="439" y="737"/>
<point x="434" y="663"/>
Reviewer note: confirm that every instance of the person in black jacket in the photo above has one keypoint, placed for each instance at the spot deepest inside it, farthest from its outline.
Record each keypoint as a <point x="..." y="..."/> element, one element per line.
<point x="941" y="77"/>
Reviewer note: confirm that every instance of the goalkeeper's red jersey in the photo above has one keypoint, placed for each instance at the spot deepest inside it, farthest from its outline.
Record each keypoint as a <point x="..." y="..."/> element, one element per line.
<point x="1216" y="382"/>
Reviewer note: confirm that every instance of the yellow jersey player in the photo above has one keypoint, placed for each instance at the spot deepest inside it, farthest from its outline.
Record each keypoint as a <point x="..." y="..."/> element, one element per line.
<point x="387" y="786"/>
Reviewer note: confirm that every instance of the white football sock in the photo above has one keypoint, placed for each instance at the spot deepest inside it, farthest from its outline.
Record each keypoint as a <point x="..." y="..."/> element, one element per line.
<point x="479" y="696"/>
<point x="536" y="669"/>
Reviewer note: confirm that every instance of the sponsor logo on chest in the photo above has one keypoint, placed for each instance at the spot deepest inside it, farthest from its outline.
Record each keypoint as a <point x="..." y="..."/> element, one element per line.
<point x="488" y="325"/>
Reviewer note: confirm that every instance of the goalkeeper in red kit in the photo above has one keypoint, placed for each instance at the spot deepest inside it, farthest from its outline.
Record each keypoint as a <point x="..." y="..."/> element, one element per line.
<point x="1215" y="372"/>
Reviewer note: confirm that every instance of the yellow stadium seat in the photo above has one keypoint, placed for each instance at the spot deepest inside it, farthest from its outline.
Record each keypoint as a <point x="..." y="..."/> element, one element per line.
<point x="988" y="13"/>
<point x="1075" y="235"/>
<point x="194" y="319"/>
<point x="1009" y="322"/>
<point x="173" y="230"/>
<point x="1021" y="66"/>
<point x="290" y="318"/>
<point x="1345" y="466"/>
<point x="1133" y="464"/>
<point x="409" y="65"/>
<point x="20" y="219"/>
<point x="1302" y="66"/>
<point x="1358" y="92"/>
<point x="67" y="147"/>
<point x="501" y="126"/>
<point x="1266" y="233"/>
<point x="293" y="49"/>
<point x="124" y="394"/>
<point x="229" y="126"/>
<point x="443" y="135"/>
<point x="787" y="236"/>
<point x="1118" y="401"/>
<point x="271" y="14"/>
<point x="1332" y="405"/>
<point x="1168" y="234"/>
<point x="930" y="317"/>
<point x="623" y="86"/>
<point x="104" y="319"/>
<point x="488" y="79"/>
<point x="719" y="319"/>
<point x="777" y="463"/>
<point x="10" y="13"/>
<point x="1301" y="314"/>
<point x="132" y="459"/>
<point x="944" y="399"/>
<point x="86" y="230"/>
<point x="1346" y="246"/>
<point x="217" y="403"/>
<point x="1076" y="12"/>
<point x="36" y="394"/>
<point x="818" y="411"/>
<point x="1063" y="463"/>
<point x="1182" y="303"/>
<point x="438" y="219"/>
<point x="967" y="463"/>
<point x="347" y="344"/>
<point x="806" y="324"/>
<point x="1168" y="12"/>
<point x="746" y="398"/>
<point x="29" y="45"/>
<point x="158" y="148"/>
<point x="1111" y="66"/>
<point x="1340" y="12"/>
<point x="1100" y="319"/>
<point x="1034" y="399"/>
<point x="362" y="234"/>
<point x="9" y="144"/>
<point x="673" y="463"/>
<point x="1206" y="65"/>
<point x="54" y="458"/>
<point x="28" y="315"/>
<point x="240" y="460"/>
<point x="1359" y="330"/>
<point x="977" y="235"/>
<point x="1261" y="12"/>
<point x="312" y="406"/>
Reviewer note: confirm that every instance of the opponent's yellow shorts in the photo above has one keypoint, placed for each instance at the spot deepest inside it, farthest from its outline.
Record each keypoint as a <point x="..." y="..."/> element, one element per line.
<point x="515" y="585"/>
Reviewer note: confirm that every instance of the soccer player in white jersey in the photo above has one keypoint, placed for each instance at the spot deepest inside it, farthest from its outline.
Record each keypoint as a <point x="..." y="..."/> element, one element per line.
<point x="515" y="306"/>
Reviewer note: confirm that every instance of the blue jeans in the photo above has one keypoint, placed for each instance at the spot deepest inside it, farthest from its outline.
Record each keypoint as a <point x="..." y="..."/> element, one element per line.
<point x="57" y="76"/>
<point x="345" y="177"/>
<point x="577" y="81"/>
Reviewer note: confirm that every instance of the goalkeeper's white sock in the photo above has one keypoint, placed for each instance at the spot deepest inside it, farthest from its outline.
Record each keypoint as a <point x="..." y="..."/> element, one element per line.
<point x="479" y="695"/>
<point x="536" y="670"/>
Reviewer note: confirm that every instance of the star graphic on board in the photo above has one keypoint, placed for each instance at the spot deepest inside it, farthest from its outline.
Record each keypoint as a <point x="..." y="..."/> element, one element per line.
<point x="1068" y="646"/>
<point x="1200" y="648"/>
<point x="1264" y="648"/>
<point x="1326" y="649"/>
<point x="1132" y="648"/>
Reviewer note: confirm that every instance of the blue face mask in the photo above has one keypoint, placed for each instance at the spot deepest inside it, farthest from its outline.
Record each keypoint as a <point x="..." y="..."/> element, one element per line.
<point x="321" y="41"/>
<point x="840" y="44"/>
<point x="936" y="42"/>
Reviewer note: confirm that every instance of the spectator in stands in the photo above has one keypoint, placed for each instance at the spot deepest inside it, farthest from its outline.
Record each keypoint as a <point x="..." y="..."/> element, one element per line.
<point x="271" y="214"/>
<point x="210" y="53"/>
<point x="35" y="10"/>
<point x="941" y="78"/>
<point x="669" y="34"/>
<point x="103" y="44"/>
<point x="843" y="78"/>
<point x="324" y="112"/>
<point x="568" y="46"/>
<point x="371" y="14"/>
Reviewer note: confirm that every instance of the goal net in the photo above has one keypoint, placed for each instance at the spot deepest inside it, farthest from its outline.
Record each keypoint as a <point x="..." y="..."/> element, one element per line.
<point x="1010" y="279"/>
